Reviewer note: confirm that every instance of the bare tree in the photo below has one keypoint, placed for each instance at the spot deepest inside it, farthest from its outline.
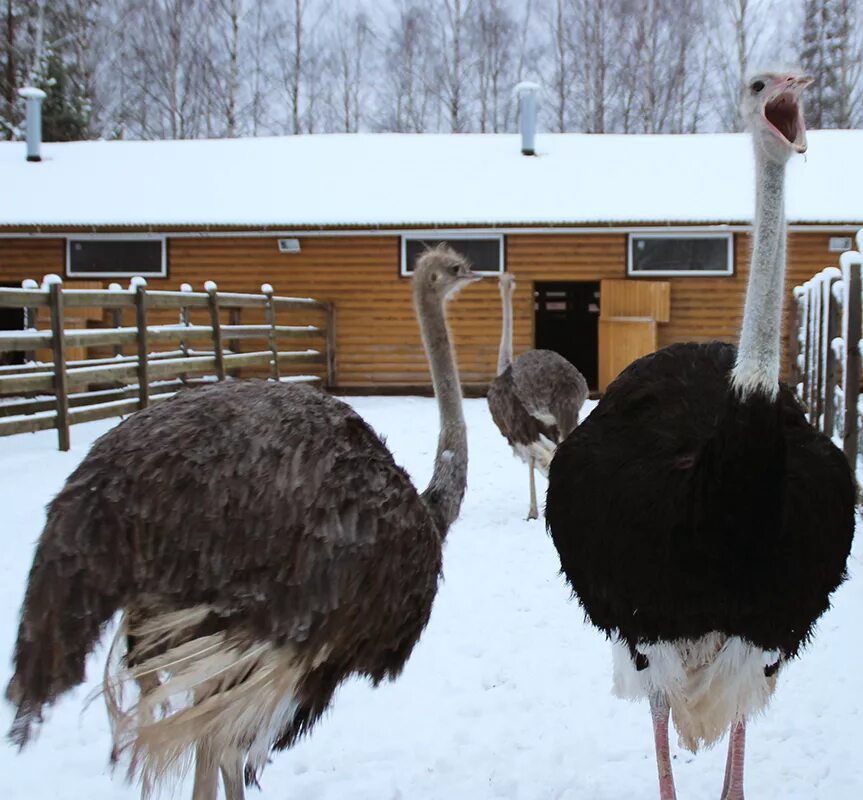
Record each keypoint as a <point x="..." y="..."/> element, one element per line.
<point x="407" y="93"/>
<point x="453" y="22"/>
<point x="493" y="39"/>
<point x="736" y="31"/>
<point x="561" y="71"/>
<point x="352" y="37"/>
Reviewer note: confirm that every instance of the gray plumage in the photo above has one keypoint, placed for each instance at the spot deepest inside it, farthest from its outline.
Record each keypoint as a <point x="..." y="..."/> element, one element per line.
<point x="263" y="546"/>
<point x="535" y="399"/>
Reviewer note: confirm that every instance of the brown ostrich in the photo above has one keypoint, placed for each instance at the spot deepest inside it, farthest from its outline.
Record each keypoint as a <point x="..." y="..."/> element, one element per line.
<point x="262" y="545"/>
<point x="534" y="400"/>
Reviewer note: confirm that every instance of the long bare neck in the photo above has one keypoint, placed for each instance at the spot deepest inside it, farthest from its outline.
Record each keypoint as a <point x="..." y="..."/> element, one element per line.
<point x="758" y="354"/>
<point x="504" y="355"/>
<point x="446" y="489"/>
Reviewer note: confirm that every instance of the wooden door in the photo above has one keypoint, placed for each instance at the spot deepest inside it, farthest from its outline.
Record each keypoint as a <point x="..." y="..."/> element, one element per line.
<point x="630" y="313"/>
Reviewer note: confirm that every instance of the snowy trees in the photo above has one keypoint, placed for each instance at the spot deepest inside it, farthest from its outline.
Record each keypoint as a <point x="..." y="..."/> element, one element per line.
<point x="49" y="44"/>
<point x="832" y="50"/>
<point x="193" y="68"/>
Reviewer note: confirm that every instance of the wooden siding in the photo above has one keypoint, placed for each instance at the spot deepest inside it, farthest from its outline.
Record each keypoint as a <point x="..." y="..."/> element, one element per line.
<point x="378" y="341"/>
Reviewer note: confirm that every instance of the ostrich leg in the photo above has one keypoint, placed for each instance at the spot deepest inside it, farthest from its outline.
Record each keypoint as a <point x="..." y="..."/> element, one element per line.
<point x="206" y="774"/>
<point x="659" y="711"/>
<point x="533" y="513"/>
<point x="232" y="777"/>
<point x="732" y="789"/>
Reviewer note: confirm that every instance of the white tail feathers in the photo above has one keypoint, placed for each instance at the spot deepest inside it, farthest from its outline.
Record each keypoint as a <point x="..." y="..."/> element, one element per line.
<point x="208" y="692"/>
<point x="709" y="683"/>
<point x="540" y="452"/>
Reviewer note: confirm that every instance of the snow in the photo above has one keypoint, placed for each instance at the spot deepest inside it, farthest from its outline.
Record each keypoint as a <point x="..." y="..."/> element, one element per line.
<point x="507" y="694"/>
<point x="421" y="179"/>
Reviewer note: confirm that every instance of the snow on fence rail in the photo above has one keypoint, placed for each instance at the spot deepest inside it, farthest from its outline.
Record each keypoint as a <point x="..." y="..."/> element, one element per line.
<point x="137" y="381"/>
<point x="825" y="355"/>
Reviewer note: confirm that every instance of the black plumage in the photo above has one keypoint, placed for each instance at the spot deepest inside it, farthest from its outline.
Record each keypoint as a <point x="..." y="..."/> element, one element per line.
<point x="678" y="510"/>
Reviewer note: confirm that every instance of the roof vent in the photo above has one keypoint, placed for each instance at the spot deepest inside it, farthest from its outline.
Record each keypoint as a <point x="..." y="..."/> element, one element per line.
<point x="528" y="100"/>
<point x="34" y="98"/>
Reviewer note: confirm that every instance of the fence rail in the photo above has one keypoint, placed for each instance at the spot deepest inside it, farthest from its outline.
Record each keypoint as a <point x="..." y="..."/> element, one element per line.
<point x="825" y="355"/>
<point x="147" y="377"/>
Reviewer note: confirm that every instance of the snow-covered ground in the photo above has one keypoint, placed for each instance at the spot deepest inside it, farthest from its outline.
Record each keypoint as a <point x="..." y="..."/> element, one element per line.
<point x="507" y="694"/>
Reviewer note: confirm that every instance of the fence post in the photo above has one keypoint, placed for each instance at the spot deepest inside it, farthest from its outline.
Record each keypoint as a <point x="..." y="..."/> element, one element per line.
<point x="803" y="322"/>
<point x="794" y="340"/>
<point x="830" y="329"/>
<point x="331" y="345"/>
<point x="234" y="344"/>
<point x="185" y="321"/>
<point x="31" y="315"/>
<point x="219" y="352"/>
<point x="851" y="332"/>
<point x="140" y="287"/>
<point x="116" y="317"/>
<point x="817" y="335"/>
<point x="270" y="312"/>
<point x="55" y="289"/>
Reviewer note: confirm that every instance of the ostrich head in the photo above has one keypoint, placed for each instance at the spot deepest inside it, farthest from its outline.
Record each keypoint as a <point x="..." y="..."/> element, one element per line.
<point x="441" y="273"/>
<point x="772" y="108"/>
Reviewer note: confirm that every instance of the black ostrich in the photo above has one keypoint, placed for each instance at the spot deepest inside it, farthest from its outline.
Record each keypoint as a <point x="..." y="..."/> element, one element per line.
<point x="700" y="520"/>
<point x="263" y="546"/>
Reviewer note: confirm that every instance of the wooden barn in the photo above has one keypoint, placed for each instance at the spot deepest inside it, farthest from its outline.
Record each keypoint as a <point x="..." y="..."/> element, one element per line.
<point x="619" y="244"/>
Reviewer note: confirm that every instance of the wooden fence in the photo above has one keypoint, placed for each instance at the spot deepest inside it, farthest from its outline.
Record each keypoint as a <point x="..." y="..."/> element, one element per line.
<point x="137" y="371"/>
<point x="825" y="342"/>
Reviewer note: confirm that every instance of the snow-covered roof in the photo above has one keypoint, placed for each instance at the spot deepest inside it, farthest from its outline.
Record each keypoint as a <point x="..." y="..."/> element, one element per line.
<point x="396" y="180"/>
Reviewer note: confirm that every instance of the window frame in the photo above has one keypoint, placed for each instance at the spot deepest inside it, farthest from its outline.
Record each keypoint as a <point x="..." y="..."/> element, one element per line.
<point x="415" y="235"/>
<point x="729" y="272"/>
<point x="117" y="237"/>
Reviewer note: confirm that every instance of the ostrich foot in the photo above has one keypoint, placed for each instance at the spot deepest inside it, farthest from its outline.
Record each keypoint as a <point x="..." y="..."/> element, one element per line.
<point x="732" y="789"/>
<point x="659" y="711"/>
<point x="532" y="514"/>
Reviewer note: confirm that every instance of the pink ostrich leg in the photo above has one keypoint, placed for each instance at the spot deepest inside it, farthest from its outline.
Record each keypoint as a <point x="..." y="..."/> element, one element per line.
<point x="659" y="712"/>
<point x="732" y="789"/>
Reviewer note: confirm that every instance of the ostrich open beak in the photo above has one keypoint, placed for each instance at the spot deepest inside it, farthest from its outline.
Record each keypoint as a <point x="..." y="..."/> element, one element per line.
<point x="783" y="110"/>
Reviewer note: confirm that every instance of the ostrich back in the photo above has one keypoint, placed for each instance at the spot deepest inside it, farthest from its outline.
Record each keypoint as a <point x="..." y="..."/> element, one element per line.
<point x="274" y="505"/>
<point x="539" y="395"/>
<point x="678" y="510"/>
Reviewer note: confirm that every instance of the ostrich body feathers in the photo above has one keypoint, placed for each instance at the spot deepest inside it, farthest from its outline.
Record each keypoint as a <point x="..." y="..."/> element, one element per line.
<point x="680" y="511"/>
<point x="264" y="527"/>
<point x="535" y="404"/>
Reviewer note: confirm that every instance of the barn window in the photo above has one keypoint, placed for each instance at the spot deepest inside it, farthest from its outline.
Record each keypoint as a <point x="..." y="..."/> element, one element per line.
<point x="700" y="254"/>
<point x="115" y="257"/>
<point x="485" y="252"/>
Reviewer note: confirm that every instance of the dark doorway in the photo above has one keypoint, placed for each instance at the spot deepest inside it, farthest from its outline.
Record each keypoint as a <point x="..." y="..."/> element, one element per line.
<point x="11" y="319"/>
<point x="567" y="321"/>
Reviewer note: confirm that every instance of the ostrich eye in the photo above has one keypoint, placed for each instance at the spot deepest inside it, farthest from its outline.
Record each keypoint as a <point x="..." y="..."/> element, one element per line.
<point x="453" y="270"/>
<point x="757" y="86"/>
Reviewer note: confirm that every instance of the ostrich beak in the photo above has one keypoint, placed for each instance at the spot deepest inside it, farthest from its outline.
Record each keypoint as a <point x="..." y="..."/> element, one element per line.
<point x="783" y="110"/>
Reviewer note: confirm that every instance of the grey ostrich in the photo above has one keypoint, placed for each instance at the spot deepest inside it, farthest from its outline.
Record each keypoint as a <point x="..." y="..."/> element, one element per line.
<point x="262" y="545"/>
<point x="534" y="400"/>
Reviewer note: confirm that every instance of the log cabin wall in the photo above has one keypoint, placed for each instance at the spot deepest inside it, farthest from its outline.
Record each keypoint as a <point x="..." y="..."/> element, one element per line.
<point x="378" y="342"/>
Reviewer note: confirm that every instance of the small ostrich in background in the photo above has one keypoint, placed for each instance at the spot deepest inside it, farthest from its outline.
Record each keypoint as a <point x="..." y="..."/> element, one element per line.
<point x="263" y="546"/>
<point x="534" y="400"/>
<point x="701" y="521"/>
